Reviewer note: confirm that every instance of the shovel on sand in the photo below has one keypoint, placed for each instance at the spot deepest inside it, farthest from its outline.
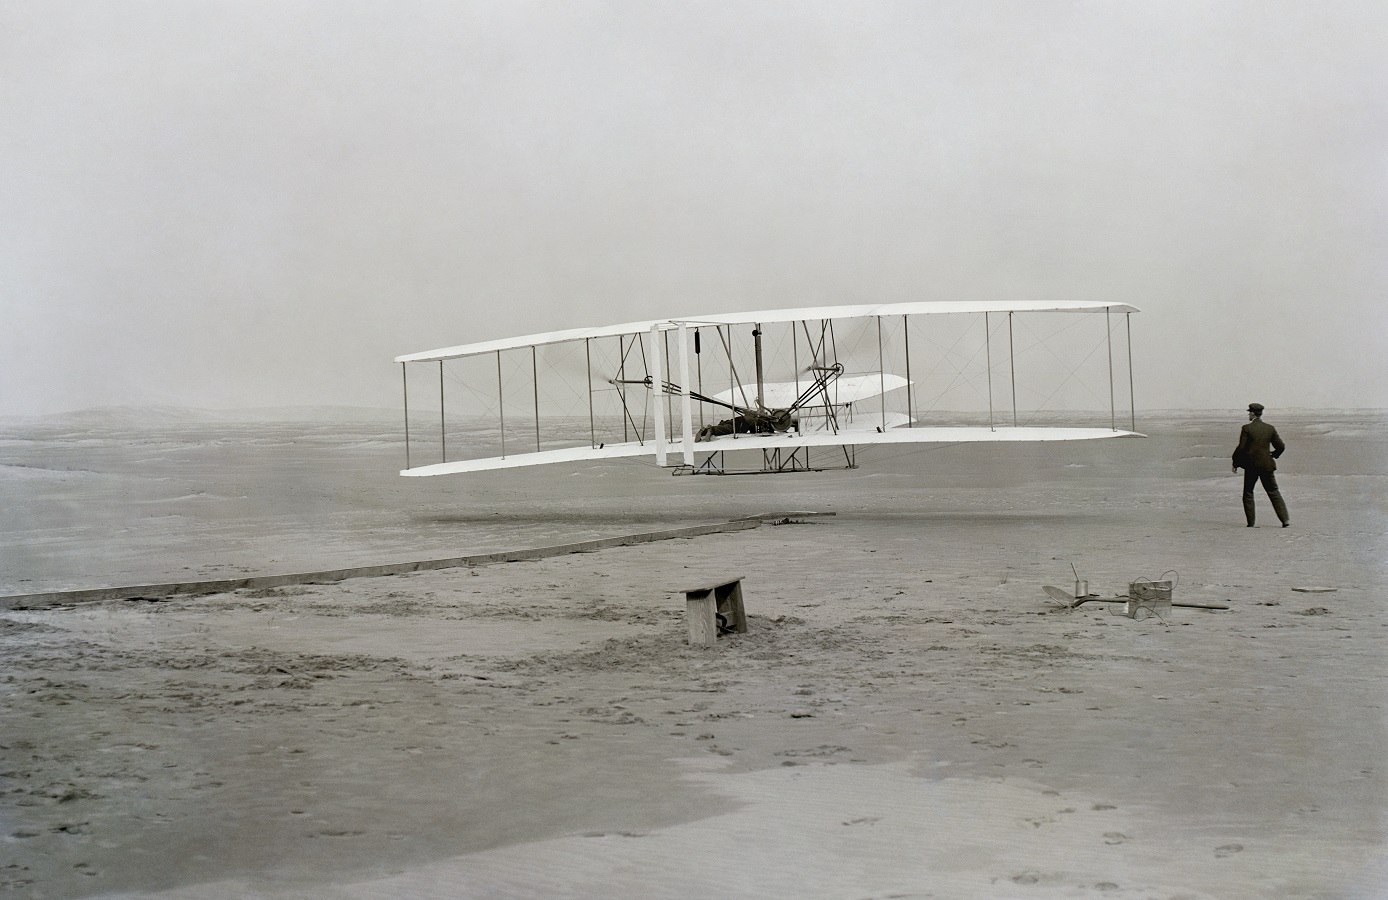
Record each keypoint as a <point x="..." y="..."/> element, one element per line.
<point x="1070" y="602"/>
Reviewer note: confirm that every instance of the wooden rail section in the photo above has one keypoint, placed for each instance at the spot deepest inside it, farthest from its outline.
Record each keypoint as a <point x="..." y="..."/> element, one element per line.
<point x="329" y="576"/>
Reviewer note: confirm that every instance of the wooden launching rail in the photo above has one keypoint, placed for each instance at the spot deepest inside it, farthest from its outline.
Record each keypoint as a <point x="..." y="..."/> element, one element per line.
<point x="328" y="576"/>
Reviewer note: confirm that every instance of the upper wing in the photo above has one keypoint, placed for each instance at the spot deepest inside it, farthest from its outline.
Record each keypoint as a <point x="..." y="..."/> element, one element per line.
<point x="918" y="308"/>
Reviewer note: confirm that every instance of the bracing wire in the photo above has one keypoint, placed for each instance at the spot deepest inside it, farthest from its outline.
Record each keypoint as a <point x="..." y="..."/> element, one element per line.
<point x="1071" y="369"/>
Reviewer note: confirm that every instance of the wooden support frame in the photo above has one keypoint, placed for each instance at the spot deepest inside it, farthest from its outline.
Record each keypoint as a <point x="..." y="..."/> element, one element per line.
<point x="714" y="609"/>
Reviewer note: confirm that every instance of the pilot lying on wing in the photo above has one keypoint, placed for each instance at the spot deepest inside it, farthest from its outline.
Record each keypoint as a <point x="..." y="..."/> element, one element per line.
<point x="750" y="422"/>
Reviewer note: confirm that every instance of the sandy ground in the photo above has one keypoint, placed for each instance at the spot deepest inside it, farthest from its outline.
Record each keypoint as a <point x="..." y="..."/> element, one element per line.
<point x="908" y="715"/>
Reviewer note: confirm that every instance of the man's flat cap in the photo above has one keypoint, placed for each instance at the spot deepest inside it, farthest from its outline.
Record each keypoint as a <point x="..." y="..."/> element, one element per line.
<point x="1255" y="407"/>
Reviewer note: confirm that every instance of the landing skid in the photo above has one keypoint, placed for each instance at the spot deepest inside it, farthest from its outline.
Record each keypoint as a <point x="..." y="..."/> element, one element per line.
<point x="773" y="462"/>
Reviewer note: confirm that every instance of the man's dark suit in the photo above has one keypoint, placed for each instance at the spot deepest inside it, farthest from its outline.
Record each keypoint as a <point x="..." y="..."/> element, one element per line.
<point x="1259" y="446"/>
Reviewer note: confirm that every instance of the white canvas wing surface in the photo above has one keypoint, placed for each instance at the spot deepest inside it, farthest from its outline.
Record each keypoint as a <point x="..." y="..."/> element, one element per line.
<point x="808" y="313"/>
<point x="786" y="442"/>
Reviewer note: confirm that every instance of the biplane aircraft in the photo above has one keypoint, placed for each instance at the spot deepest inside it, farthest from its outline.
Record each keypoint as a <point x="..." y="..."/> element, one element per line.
<point x="791" y="389"/>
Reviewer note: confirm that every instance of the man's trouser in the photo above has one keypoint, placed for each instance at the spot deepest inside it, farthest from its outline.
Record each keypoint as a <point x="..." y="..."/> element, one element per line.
<point x="1269" y="480"/>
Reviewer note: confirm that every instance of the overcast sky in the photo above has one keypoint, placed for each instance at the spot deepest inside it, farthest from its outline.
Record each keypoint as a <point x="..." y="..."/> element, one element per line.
<point x="222" y="204"/>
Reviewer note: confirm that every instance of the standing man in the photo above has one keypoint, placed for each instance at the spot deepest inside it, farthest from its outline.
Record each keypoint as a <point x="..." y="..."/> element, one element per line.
<point x="1259" y="445"/>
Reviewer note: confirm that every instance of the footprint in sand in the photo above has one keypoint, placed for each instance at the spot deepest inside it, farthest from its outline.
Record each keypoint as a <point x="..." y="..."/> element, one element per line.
<point x="1227" y="850"/>
<point x="1115" y="837"/>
